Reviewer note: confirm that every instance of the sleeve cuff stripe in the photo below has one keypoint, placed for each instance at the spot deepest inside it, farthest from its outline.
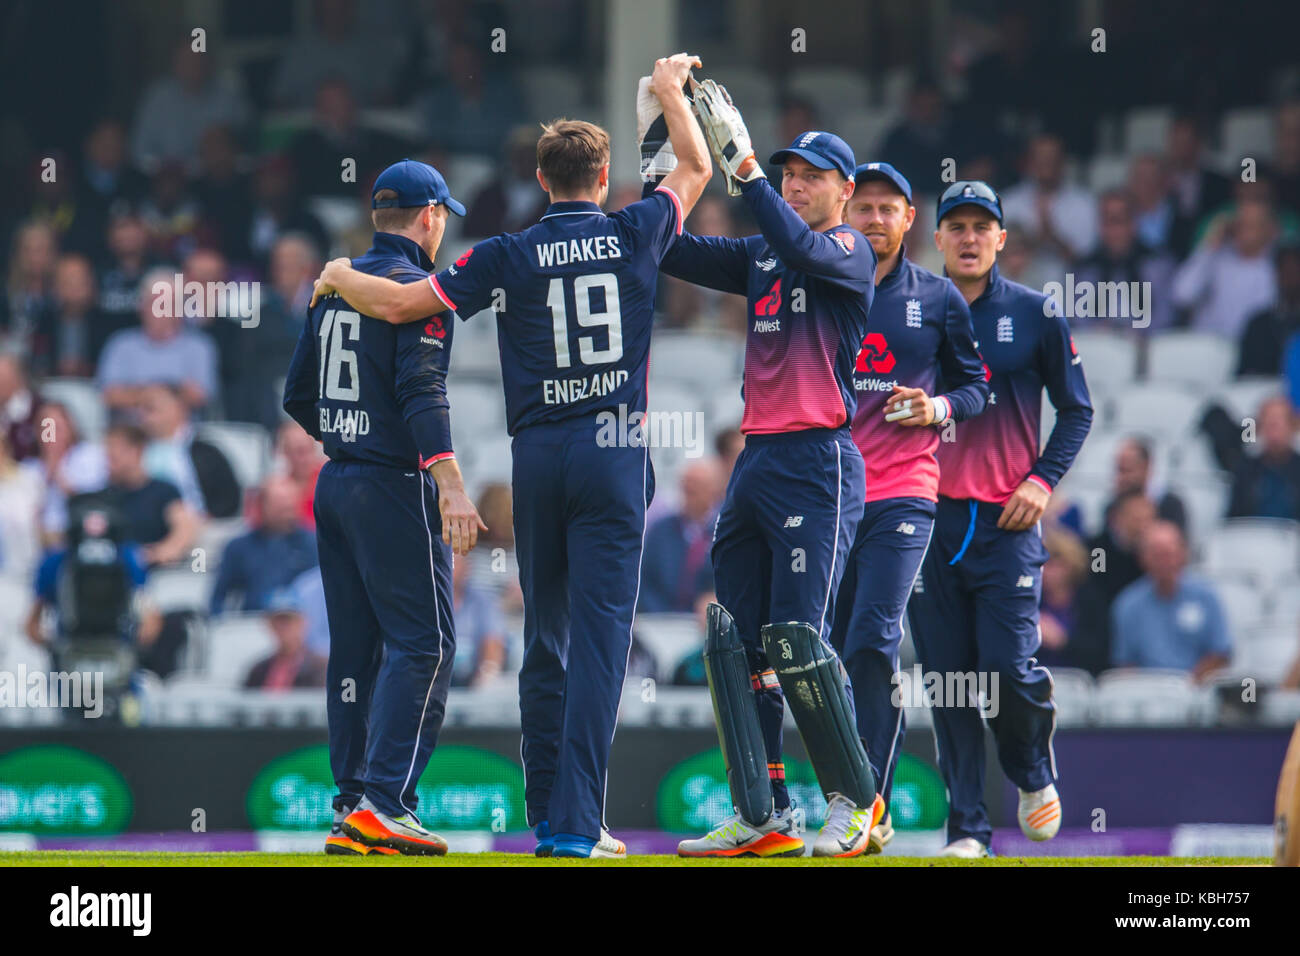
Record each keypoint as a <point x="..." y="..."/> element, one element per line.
<point x="437" y="290"/>
<point x="677" y="204"/>
<point x="434" y="459"/>
<point x="1040" y="482"/>
<point x="943" y="410"/>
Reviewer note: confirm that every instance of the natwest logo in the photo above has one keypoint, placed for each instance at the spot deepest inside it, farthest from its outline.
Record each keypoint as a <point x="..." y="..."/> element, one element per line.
<point x="770" y="304"/>
<point x="434" y="326"/>
<point x="874" y="355"/>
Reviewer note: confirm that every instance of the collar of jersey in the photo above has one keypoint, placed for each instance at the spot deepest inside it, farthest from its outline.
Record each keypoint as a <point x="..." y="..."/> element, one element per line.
<point x="897" y="271"/>
<point x="994" y="280"/>
<point x="391" y="244"/>
<point x="573" y="207"/>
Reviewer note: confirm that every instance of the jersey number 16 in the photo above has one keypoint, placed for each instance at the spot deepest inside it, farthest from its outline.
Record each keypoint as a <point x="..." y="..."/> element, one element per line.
<point x="335" y="328"/>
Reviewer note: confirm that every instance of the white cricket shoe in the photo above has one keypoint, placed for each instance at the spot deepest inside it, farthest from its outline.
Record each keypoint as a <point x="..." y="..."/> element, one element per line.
<point x="1040" y="813"/>
<point x="735" y="836"/>
<point x="606" y="848"/>
<point x="848" y="827"/>
<point x="967" y="848"/>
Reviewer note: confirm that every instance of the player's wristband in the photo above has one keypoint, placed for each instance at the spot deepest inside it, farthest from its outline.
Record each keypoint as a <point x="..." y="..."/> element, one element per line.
<point x="942" y="410"/>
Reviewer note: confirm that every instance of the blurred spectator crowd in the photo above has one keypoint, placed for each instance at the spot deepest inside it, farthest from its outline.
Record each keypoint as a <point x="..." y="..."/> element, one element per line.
<point x="1174" y="542"/>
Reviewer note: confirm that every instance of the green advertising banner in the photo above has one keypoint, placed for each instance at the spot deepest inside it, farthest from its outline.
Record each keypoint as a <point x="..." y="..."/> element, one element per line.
<point x="52" y="790"/>
<point x="693" y="795"/>
<point x="463" y="788"/>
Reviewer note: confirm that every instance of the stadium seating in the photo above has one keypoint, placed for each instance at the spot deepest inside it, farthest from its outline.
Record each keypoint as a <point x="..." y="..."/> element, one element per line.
<point x="1176" y="407"/>
<point x="88" y="411"/>
<point x="179" y="589"/>
<point x="1146" y="129"/>
<point x="1192" y="358"/>
<point x="1244" y="604"/>
<point x="235" y="643"/>
<point x="1107" y="171"/>
<point x="1266" y="651"/>
<point x="669" y="637"/>
<point x="246" y="446"/>
<point x="1266" y="548"/>
<point x="1245" y="132"/>
<point x="1074" y="692"/>
<point x="1149" y="697"/>
<point x="1110" y="358"/>
<point x="831" y="84"/>
<point x="1205" y="498"/>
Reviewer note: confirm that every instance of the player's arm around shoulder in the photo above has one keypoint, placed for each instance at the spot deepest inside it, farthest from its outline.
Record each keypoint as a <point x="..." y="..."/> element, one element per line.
<point x="378" y="296"/>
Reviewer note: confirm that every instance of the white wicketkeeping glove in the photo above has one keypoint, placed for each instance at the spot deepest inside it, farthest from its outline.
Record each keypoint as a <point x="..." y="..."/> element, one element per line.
<point x="657" y="156"/>
<point x="725" y="132"/>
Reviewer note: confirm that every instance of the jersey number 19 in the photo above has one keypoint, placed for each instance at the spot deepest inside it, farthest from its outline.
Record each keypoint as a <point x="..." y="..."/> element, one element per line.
<point x="608" y="317"/>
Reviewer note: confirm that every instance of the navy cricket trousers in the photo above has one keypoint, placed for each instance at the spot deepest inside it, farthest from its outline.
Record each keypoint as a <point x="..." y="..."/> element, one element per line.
<point x="779" y="549"/>
<point x="977" y="612"/>
<point x="883" y="564"/>
<point x="579" y="517"/>
<point x="387" y="577"/>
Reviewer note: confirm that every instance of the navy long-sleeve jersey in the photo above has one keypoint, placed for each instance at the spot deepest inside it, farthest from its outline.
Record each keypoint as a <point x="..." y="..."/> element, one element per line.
<point x="1025" y="350"/>
<point x="368" y="390"/>
<point x="808" y="294"/>
<point x="918" y="336"/>
<point x="574" y="303"/>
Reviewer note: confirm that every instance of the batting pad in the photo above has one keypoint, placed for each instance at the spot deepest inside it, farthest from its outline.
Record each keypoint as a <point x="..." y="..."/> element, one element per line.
<point x="736" y="714"/>
<point x="813" y="683"/>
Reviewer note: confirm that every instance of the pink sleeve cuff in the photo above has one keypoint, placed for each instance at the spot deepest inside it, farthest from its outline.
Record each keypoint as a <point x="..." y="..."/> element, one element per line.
<point x="1039" y="481"/>
<point x="434" y="459"/>
<point x="437" y="290"/>
<point x="677" y="204"/>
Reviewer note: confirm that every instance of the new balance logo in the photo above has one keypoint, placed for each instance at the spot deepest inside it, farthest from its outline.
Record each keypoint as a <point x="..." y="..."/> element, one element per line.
<point x="794" y="521"/>
<point x="906" y="528"/>
<point x="767" y="265"/>
<point x="1025" y="581"/>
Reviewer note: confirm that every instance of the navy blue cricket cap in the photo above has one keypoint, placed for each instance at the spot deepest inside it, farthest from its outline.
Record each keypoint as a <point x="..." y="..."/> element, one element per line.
<point x="824" y="150"/>
<point x="886" y="172"/>
<point x="969" y="192"/>
<point x="416" y="184"/>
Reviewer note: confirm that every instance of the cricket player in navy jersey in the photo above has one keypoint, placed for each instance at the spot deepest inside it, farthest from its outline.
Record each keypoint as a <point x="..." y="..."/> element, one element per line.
<point x="574" y="300"/>
<point x="977" y="608"/>
<point x="795" y="494"/>
<point x="390" y="508"/>
<point x="918" y="341"/>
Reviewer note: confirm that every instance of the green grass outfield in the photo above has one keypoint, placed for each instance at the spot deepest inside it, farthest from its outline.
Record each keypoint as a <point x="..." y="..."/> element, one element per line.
<point x="95" y="858"/>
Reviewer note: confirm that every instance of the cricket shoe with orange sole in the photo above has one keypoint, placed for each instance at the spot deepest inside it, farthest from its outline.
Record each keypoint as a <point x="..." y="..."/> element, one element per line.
<point x="847" y="831"/>
<point x="403" y="834"/>
<point x="737" y="837"/>
<point x="339" y="843"/>
<point x="1040" y="813"/>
